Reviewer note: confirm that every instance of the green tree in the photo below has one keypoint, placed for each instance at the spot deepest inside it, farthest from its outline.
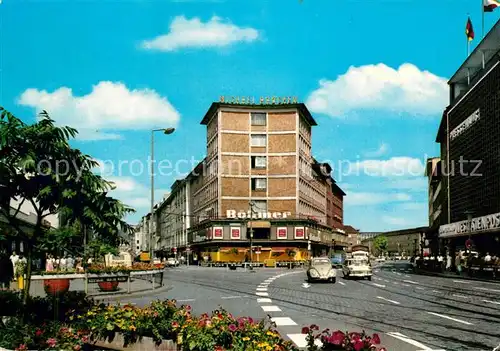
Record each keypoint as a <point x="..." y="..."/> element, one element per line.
<point x="380" y="243"/>
<point x="38" y="166"/>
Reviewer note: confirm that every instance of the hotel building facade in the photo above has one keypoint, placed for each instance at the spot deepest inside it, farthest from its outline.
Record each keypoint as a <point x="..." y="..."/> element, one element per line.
<point x="258" y="186"/>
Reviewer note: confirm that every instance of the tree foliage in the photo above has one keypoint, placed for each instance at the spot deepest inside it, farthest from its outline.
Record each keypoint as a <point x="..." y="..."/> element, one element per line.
<point x="380" y="243"/>
<point x="38" y="166"/>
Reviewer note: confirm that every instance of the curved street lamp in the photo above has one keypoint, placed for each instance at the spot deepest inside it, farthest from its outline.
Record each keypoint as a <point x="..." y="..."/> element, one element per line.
<point x="165" y="131"/>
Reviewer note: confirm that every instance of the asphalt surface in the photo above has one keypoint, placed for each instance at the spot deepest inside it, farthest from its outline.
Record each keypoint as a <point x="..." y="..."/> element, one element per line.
<point x="410" y="312"/>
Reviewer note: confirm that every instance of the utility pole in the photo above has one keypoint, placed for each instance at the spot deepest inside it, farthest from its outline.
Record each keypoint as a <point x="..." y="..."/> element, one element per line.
<point x="250" y="203"/>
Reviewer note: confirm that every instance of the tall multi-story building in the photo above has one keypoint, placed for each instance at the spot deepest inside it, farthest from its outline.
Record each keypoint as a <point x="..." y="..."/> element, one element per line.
<point x="469" y="135"/>
<point x="259" y="181"/>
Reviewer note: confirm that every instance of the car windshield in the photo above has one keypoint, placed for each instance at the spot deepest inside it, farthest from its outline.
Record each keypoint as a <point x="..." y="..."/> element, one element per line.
<point x="322" y="260"/>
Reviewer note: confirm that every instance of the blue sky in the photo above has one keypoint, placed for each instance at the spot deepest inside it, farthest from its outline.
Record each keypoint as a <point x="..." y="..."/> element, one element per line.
<point x="372" y="73"/>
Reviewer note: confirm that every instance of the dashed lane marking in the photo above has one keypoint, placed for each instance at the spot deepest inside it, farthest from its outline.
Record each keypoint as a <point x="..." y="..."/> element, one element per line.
<point x="231" y="297"/>
<point x="342" y="283"/>
<point x="271" y="308"/>
<point x="186" y="300"/>
<point x="406" y="339"/>
<point x="385" y="280"/>
<point x="379" y="285"/>
<point x="264" y="300"/>
<point x="450" y="318"/>
<point x="258" y="293"/>
<point x="486" y="289"/>
<point x="493" y="302"/>
<point x="300" y="340"/>
<point x="407" y="276"/>
<point x="261" y="289"/>
<point x="420" y="288"/>
<point x="461" y="281"/>
<point x="410" y="281"/>
<point x="462" y="296"/>
<point x="391" y="301"/>
<point x="283" y="321"/>
<point x="406" y="285"/>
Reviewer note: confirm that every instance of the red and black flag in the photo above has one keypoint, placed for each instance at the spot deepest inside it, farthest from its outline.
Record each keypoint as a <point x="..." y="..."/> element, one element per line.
<point x="490" y="5"/>
<point x="469" y="31"/>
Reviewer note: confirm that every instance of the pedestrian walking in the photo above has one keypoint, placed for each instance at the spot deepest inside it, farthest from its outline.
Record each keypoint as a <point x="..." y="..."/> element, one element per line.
<point x="448" y="262"/>
<point x="14" y="258"/>
<point x="6" y="271"/>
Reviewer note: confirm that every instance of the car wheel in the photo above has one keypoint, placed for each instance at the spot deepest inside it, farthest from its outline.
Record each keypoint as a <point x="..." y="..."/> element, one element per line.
<point x="370" y="278"/>
<point x="334" y="280"/>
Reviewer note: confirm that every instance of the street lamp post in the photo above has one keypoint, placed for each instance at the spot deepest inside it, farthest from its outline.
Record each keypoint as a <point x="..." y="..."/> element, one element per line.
<point x="251" y="204"/>
<point x="165" y="131"/>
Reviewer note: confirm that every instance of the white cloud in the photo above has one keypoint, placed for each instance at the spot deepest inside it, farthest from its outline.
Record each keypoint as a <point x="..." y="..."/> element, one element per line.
<point x="415" y="184"/>
<point x="370" y="198"/>
<point x="135" y="194"/>
<point x="185" y="33"/>
<point x="382" y="150"/>
<point x="393" y="167"/>
<point x="404" y="90"/>
<point x="109" y="106"/>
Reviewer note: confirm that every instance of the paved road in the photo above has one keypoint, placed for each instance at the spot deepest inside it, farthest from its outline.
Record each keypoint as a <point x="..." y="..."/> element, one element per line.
<point x="410" y="312"/>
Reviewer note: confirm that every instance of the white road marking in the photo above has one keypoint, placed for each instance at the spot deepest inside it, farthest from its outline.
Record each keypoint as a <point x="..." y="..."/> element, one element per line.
<point x="409" y="281"/>
<point x="283" y="321"/>
<point x="231" y="297"/>
<point x="398" y="273"/>
<point x="341" y="283"/>
<point x="261" y="293"/>
<point x="385" y="280"/>
<point x="462" y="296"/>
<point x="377" y="278"/>
<point x="392" y="301"/>
<point x="271" y="308"/>
<point x="377" y="271"/>
<point x="405" y="285"/>
<point x="261" y="289"/>
<point x="419" y="288"/>
<point x="407" y="276"/>
<point x="379" y="285"/>
<point x="305" y="285"/>
<point x="450" y="318"/>
<point x="486" y="289"/>
<point x="493" y="302"/>
<point x="300" y="340"/>
<point x="396" y="283"/>
<point x="461" y="281"/>
<point x="410" y="341"/>
<point x="186" y="300"/>
<point x="264" y="300"/>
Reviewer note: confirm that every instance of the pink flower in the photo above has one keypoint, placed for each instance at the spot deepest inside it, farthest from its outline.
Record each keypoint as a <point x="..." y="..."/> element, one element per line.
<point x="188" y="308"/>
<point x="22" y="347"/>
<point x="85" y="339"/>
<point x="376" y="339"/>
<point x="232" y="328"/>
<point x="250" y="320"/>
<point x="358" y="345"/>
<point x="38" y="332"/>
<point x="77" y="347"/>
<point x="51" y="342"/>
<point x="354" y="337"/>
<point x="305" y="330"/>
<point x="314" y="327"/>
<point x="337" y="338"/>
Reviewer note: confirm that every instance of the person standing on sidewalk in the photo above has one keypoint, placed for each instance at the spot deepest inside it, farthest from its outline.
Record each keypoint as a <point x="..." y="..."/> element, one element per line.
<point x="14" y="258"/>
<point x="458" y="263"/>
<point x="448" y="262"/>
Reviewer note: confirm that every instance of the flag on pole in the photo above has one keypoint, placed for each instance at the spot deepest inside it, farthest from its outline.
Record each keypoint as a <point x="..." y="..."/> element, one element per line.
<point x="469" y="31"/>
<point x="490" y="5"/>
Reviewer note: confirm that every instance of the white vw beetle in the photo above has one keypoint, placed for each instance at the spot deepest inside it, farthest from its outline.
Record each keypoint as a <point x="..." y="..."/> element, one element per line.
<point x="320" y="268"/>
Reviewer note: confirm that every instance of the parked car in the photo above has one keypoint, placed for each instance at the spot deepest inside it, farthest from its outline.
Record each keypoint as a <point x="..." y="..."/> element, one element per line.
<point x="172" y="262"/>
<point x="320" y="269"/>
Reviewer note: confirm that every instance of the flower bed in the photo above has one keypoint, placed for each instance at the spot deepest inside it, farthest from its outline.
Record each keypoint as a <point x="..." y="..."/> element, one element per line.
<point x="83" y="324"/>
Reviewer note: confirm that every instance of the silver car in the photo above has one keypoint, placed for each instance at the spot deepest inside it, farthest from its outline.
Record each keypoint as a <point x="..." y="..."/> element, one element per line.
<point x="320" y="269"/>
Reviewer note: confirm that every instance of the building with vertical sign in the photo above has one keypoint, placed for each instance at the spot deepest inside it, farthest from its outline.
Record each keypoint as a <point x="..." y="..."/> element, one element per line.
<point x="467" y="173"/>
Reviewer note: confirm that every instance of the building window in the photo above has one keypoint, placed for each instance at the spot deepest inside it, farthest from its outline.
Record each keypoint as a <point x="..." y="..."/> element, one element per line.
<point x="137" y="247"/>
<point x="259" y="183"/>
<point x="260" y="206"/>
<point x="258" y="140"/>
<point x="259" y="162"/>
<point x="137" y="241"/>
<point x="258" y="119"/>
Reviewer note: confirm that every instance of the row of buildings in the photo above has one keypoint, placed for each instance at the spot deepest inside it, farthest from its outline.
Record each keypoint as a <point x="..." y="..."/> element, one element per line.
<point x="464" y="180"/>
<point x="258" y="186"/>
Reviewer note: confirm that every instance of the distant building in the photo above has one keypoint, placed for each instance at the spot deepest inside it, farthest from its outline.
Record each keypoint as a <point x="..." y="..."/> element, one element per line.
<point x="367" y="235"/>
<point x="405" y="242"/>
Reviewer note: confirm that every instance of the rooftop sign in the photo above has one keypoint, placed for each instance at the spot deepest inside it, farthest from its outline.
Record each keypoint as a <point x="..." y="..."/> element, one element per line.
<point x="476" y="225"/>
<point x="263" y="100"/>
<point x="256" y="215"/>
<point x="466" y="124"/>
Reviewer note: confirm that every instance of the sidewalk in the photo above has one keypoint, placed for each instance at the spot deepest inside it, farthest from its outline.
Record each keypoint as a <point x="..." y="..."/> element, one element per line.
<point x="464" y="275"/>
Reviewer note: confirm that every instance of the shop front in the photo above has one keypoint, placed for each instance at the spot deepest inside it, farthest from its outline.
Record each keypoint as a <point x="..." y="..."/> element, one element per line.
<point x="279" y="240"/>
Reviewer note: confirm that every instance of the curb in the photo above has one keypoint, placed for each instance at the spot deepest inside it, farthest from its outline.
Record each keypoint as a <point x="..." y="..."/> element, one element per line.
<point x="457" y="277"/>
<point x="144" y="293"/>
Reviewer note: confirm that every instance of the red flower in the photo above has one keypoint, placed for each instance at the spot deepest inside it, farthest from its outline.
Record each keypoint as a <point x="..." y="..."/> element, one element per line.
<point x="232" y="328"/>
<point x="51" y="342"/>
<point x="188" y="308"/>
<point x="305" y="330"/>
<point x="22" y="347"/>
<point x="250" y="320"/>
<point x="85" y="339"/>
<point x="358" y="345"/>
<point x="314" y="327"/>
<point x="38" y="332"/>
<point x="219" y="348"/>
<point x="376" y="339"/>
<point x="175" y="324"/>
<point x="337" y="338"/>
<point x="354" y="337"/>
